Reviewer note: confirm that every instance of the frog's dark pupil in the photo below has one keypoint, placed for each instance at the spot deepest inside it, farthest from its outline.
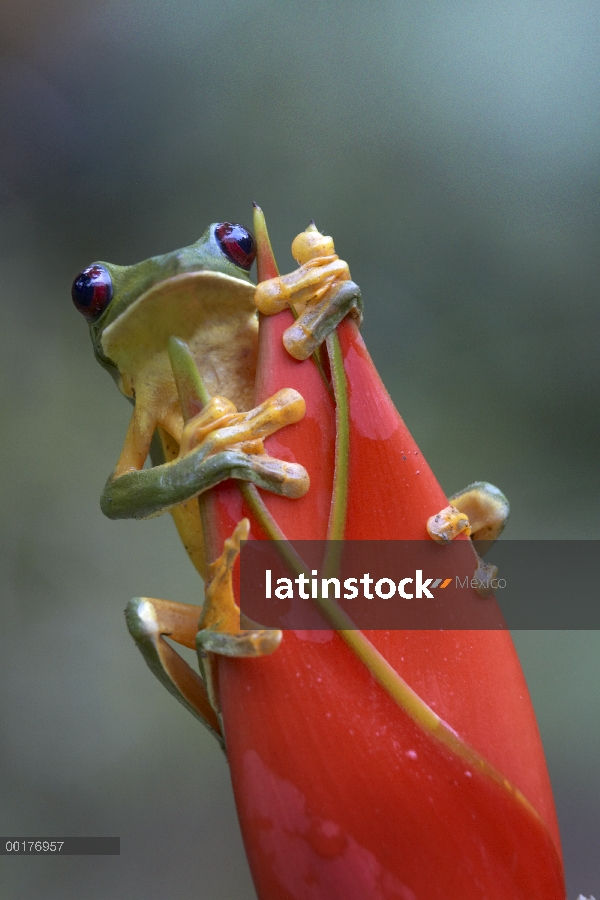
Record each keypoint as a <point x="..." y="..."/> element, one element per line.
<point x="92" y="292"/>
<point x="236" y="243"/>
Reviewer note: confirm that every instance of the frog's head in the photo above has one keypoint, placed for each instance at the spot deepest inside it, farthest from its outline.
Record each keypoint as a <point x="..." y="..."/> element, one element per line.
<point x="201" y="294"/>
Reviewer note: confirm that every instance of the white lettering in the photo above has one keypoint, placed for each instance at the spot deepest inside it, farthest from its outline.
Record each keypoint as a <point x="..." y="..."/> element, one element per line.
<point x="315" y="586"/>
<point x="284" y="589"/>
<point x="366" y="581"/>
<point x="421" y="586"/>
<point x="401" y="588"/>
<point x="350" y="585"/>
<point x="325" y="582"/>
<point x="391" y="588"/>
<point x="302" y="581"/>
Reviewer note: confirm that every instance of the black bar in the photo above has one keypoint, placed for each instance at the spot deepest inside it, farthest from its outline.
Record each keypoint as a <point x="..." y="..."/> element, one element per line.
<point x="60" y="846"/>
<point x="540" y="584"/>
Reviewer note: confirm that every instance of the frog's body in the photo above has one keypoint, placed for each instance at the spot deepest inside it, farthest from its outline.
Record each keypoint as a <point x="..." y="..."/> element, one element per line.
<point x="179" y="334"/>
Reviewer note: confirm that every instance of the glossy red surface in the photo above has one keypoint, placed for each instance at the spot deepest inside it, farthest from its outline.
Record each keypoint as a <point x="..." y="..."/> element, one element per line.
<point x="340" y="794"/>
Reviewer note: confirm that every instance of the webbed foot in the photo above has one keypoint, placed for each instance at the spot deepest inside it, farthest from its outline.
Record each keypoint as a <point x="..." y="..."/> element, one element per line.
<point x="319" y="293"/>
<point x="481" y="511"/>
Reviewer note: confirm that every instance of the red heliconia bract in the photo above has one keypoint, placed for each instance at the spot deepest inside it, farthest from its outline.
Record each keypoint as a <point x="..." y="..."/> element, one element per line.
<point x="341" y="794"/>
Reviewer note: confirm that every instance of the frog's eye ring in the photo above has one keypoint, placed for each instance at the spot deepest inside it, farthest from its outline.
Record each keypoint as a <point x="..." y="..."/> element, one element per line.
<point x="92" y="292"/>
<point x="237" y="244"/>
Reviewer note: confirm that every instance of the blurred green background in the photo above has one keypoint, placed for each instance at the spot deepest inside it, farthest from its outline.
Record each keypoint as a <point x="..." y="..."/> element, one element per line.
<point x="453" y="151"/>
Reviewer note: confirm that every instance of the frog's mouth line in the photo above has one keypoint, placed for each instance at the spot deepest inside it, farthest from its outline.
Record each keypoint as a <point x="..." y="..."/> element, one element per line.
<point x="212" y="312"/>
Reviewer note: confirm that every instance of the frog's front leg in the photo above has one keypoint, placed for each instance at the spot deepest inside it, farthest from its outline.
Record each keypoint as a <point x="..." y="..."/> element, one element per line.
<point x="317" y="322"/>
<point x="230" y="447"/>
<point x="320" y="293"/>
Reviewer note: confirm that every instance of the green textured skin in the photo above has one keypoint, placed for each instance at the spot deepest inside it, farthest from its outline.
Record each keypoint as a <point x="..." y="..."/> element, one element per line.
<point x="130" y="282"/>
<point x="145" y="639"/>
<point x="149" y="492"/>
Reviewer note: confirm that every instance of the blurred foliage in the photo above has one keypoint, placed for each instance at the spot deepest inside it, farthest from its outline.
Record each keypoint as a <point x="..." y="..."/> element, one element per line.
<point x="451" y="149"/>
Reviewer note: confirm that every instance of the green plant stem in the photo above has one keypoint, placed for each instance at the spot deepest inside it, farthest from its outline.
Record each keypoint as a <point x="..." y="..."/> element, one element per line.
<point x="193" y="397"/>
<point x="339" y="495"/>
<point x="316" y="358"/>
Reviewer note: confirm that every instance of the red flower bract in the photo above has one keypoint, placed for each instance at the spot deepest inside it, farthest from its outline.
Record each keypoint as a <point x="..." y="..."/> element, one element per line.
<point x="341" y="794"/>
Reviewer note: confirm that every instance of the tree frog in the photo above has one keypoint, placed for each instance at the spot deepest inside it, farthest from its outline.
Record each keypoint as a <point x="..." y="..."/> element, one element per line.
<point x="156" y="326"/>
<point x="139" y="316"/>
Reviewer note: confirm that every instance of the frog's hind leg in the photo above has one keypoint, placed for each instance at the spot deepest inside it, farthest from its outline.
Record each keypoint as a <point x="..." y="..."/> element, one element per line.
<point x="487" y="510"/>
<point x="481" y="511"/>
<point x="149" y="621"/>
<point x="137" y="444"/>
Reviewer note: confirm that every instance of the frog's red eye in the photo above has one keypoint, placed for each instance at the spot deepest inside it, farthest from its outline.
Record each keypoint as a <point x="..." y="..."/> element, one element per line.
<point x="237" y="244"/>
<point x="92" y="292"/>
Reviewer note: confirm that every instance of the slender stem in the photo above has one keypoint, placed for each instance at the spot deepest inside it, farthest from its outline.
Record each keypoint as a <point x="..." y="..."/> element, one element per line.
<point x="190" y="384"/>
<point x="257" y="505"/>
<point x="271" y="528"/>
<point x="316" y="358"/>
<point x="206" y="505"/>
<point x="193" y="396"/>
<point x="339" y="497"/>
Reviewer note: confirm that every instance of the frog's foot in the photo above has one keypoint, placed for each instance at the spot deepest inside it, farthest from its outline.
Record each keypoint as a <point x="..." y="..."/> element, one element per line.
<point x="481" y="511"/>
<point x="319" y="293"/>
<point x="218" y="412"/>
<point x="318" y="321"/>
<point x="221" y="621"/>
<point x="230" y="447"/>
<point x="481" y="508"/>
<point x="286" y="407"/>
<point x="486" y="508"/>
<point x="150" y="620"/>
<point x="484" y="575"/>
<point x="447" y="524"/>
<point x="220" y="627"/>
<point x="234" y="441"/>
